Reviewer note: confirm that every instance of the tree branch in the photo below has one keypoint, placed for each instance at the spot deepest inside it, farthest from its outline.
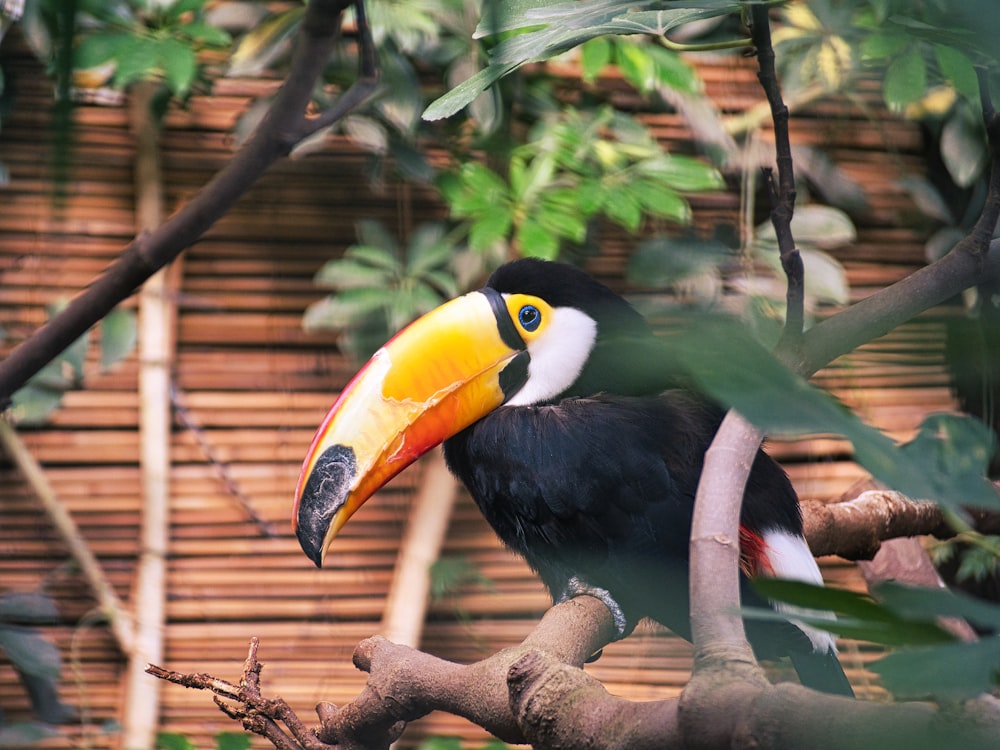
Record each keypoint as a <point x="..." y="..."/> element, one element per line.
<point x="782" y="190"/>
<point x="974" y="260"/>
<point x="284" y="126"/>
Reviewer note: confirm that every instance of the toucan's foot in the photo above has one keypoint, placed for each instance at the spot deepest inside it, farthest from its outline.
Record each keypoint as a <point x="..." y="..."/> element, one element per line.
<point x="578" y="587"/>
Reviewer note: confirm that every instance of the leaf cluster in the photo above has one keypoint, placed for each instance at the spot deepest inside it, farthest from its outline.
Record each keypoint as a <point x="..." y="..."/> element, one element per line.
<point x="928" y="662"/>
<point x="36" y="661"/>
<point x="43" y="393"/>
<point x="380" y="285"/>
<point x="123" y="42"/>
<point x="576" y="165"/>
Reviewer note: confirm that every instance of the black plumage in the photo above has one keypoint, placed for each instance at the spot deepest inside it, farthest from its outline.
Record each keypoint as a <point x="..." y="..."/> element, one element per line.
<point x="598" y="483"/>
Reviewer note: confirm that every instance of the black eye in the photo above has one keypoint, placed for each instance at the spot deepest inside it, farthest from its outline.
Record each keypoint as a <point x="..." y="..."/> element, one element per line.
<point x="529" y="317"/>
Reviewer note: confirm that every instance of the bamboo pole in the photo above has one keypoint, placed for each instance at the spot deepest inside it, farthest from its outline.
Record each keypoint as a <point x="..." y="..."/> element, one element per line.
<point x="157" y="323"/>
<point x="108" y="602"/>
<point x="407" y="601"/>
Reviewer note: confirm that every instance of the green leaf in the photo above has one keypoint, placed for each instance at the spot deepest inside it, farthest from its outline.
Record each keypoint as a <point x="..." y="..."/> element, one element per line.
<point x="673" y="72"/>
<point x="624" y="208"/>
<point x="490" y="228"/>
<point x="374" y="234"/>
<point x="564" y="25"/>
<point x="32" y="405"/>
<point x="594" y="57"/>
<point x="348" y="273"/>
<point x="782" y="403"/>
<point x="173" y="741"/>
<point x="562" y="219"/>
<point x="905" y="79"/>
<point x="29" y="652"/>
<point x="377" y="257"/>
<point x="119" y="334"/>
<point x="75" y="355"/>
<point x="930" y="604"/>
<point x="98" y="48"/>
<point x="345" y="309"/>
<point x="957" y="447"/>
<point x="953" y="671"/>
<point x="825" y="277"/>
<point x="463" y="94"/>
<point x="440" y="743"/>
<point x="665" y="260"/>
<point x="660" y="200"/>
<point x="478" y="190"/>
<point x="263" y="44"/>
<point x="367" y="132"/>
<point x="27" y="607"/>
<point x="428" y="249"/>
<point x="232" y="741"/>
<point x="683" y="173"/>
<point x="179" y="64"/>
<point x="637" y="66"/>
<point x="21" y="734"/>
<point x="824" y="227"/>
<point x="957" y="70"/>
<point x="137" y="60"/>
<point x="857" y="615"/>
<point x="204" y="33"/>
<point x="882" y="46"/>
<point x="535" y="241"/>
<point x="963" y="148"/>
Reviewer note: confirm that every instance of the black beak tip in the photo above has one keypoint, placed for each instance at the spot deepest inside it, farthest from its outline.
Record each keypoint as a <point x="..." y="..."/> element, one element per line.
<point x="324" y="494"/>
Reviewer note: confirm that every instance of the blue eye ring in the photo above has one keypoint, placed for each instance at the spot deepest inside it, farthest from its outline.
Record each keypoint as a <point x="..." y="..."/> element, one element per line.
<point x="530" y="317"/>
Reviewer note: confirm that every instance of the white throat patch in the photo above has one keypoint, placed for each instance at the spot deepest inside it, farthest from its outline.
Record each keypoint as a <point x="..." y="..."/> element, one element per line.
<point x="557" y="356"/>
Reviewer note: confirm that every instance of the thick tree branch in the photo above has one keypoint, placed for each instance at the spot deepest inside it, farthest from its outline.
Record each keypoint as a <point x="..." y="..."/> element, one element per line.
<point x="283" y="127"/>
<point x="856" y="529"/>
<point x="405" y="684"/>
<point x="716" y="627"/>
<point x="537" y="693"/>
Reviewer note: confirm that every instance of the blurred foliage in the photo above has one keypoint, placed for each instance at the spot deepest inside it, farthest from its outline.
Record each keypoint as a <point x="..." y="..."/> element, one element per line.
<point x="36" y="662"/>
<point x="223" y="741"/>
<point x="43" y="393"/>
<point x="119" y="42"/>
<point x="380" y="286"/>
<point x="455" y="743"/>
<point x="928" y="662"/>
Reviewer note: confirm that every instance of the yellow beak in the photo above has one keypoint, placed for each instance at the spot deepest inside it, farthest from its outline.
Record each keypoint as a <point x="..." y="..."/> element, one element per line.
<point x="439" y="375"/>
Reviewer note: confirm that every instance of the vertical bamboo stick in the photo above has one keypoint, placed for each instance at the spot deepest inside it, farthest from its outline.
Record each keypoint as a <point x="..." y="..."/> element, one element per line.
<point x="157" y="316"/>
<point x="33" y="473"/>
<point x="406" y="604"/>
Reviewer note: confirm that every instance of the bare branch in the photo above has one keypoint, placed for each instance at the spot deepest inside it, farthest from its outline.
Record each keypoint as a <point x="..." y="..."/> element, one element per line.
<point x="716" y="626"/>
<point x="782" y="190"/>
<point x="856" y="529"/>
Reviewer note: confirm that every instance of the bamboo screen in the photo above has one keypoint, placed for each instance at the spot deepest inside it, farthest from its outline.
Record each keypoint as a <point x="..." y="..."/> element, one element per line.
<point x="254" y="386"/>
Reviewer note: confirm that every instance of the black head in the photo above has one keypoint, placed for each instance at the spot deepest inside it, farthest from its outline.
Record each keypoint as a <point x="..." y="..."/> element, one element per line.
<point x="622" y="358"/>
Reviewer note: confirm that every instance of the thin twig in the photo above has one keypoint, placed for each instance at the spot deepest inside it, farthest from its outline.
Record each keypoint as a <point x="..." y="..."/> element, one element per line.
<point x="366" y="83"/>
<point x="782" y="190"/>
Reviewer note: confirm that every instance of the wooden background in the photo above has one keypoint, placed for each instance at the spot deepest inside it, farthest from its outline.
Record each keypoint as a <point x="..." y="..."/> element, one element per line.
<point x="257" y="386"/>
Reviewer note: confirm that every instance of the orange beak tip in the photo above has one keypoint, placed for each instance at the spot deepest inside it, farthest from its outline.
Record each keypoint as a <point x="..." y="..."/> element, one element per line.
<point x="324" y="494"/>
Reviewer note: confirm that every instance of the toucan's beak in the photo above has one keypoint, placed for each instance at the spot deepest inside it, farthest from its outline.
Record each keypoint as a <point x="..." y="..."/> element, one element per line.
<point x="432" y="380"/>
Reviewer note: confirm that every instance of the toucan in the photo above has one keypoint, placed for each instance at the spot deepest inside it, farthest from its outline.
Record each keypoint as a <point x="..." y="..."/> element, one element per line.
<point x="558" y="411"/>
